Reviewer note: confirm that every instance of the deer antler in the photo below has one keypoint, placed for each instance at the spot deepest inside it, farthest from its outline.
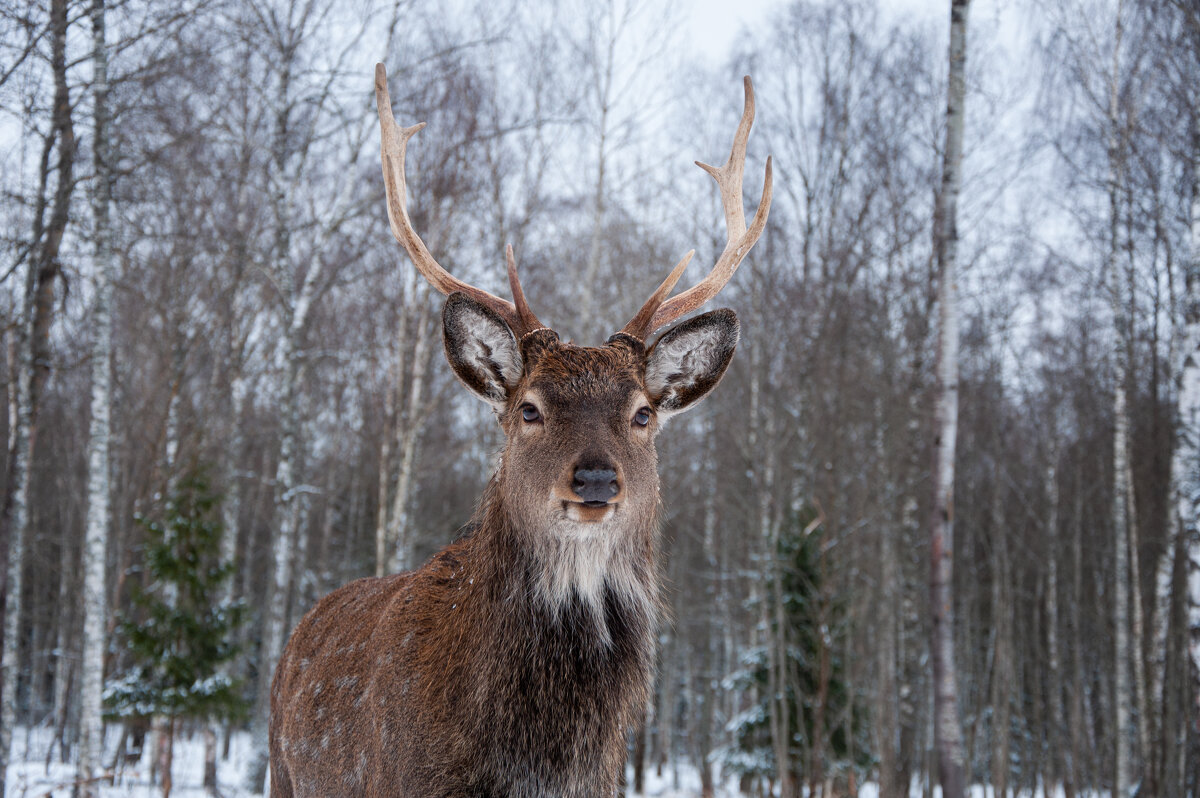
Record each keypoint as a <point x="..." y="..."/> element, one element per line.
<point x="660" y="311"/>
<point x="394" y="144"/>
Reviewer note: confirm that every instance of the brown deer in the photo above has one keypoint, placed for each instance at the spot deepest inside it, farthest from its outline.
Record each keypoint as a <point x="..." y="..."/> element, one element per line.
<point x="514" y="661"/>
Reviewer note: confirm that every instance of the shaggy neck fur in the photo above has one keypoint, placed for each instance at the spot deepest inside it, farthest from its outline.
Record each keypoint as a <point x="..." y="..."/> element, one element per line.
<point x="570" y="562"/>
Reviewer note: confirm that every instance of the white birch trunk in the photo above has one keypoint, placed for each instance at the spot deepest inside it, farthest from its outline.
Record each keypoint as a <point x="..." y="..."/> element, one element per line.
<point x="287" y="475"/>
<point x="399" y="533"/>
<point x="385" y="457"/>
<point x="17" y="530"/>
<point x="283" y="555"/>
<point x="1122" y="695"/>
<point x="947" y="730"/>
<point x="391" y="431"/>
<point x="231" y="505"/>
<point x="91" y="726"/>
<point x="1186" y="465"/>
<point x="1122" y="698"/>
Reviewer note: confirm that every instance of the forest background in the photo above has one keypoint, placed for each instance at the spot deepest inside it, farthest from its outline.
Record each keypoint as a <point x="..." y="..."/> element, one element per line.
<point x="195" y="253"/>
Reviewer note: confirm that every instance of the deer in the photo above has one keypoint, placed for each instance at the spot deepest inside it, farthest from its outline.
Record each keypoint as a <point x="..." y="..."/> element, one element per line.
<point x="514" y="661"/>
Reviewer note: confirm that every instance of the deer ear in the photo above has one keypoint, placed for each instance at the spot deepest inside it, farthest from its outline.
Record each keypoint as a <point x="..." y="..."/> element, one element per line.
<point x="688" y="361"/>
<point x="481" y="349"/>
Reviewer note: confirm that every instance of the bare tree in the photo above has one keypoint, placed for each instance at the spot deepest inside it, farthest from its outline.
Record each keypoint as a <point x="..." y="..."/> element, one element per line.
<point x="43" y="269"/>
<point x="94" y="592"/>
<point x="1185" y="472"/>
<point x="947" y="729"/>
<point x="306" y="111"/>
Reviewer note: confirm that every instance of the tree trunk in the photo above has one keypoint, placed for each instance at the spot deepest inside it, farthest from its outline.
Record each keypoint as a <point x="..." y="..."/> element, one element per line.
<point x="946" y="729"/>
<point x="1075" y="775"/>
<point x="1185" y="467"/>
<point x="888" y="720"/>
<point x="392" y="421"/>
<point x="283" y="559"/>
<point x="298" y="300"/>
<point x="33" y="369"/>
<point x="1060" y="764"/>
<point x="708" y="674"/>
<point x="1002" y="665"/>
<point x="1122" y="688"/>
<point x="210" y="761"/>
<point x="399" y="529"/>
<point x="775" y="624"/>
<point x="91" y="726"/>
<point x="168" y="756"/>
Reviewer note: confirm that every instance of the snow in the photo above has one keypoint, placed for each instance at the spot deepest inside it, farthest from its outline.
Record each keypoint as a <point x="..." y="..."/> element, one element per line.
<point x="28" y="776"/>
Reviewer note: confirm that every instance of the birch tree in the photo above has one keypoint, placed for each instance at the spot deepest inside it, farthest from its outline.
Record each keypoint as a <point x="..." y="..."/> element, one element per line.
<point x="1122" y="517"/>
<point x="91" y="725"/>
<point x="1188" y="486"/>
<point x="946" y="728"/>
<point x="305" y="113"/>
<point x="1185" y="463"/>
<point x="43" y="270"/>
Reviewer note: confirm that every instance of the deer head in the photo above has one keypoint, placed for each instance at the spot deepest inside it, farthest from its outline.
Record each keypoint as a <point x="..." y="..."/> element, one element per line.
<point x="580" y="422"/>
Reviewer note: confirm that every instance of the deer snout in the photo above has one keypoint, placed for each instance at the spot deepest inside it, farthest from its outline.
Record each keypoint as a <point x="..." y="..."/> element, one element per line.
<point x="595" y="486"/>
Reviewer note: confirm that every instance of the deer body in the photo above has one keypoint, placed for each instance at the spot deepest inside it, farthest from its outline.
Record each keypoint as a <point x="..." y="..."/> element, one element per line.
<point x="514" y="662"/>
<point x="509" y="698"/>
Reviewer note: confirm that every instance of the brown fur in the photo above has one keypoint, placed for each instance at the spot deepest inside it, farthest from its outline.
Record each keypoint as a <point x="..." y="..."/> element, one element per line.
<point x="513" y="662"/>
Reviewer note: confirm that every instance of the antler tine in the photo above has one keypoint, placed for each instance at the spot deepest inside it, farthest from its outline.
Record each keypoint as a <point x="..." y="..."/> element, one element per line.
<point x="527" y="321"/>
<point x="394" y="140"/>
<point x="638" y="327"/>
<point x="741" y="238"/>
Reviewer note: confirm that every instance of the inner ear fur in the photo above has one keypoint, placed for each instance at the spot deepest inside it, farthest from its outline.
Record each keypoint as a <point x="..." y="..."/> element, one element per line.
<point x="688" y="361"/>
<point x="481" y="349"/>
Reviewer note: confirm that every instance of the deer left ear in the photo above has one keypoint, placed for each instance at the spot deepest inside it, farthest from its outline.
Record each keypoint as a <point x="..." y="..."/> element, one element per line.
<point x="481" y="349"/>
<point x="689" y="360"/>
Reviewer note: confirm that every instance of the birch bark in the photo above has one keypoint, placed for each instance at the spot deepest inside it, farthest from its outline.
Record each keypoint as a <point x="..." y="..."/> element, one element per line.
<point x="91" y="727"/>
<point x="946" y="728"/>
<point x="1186" y="465"/>
<point x="295" y="312"/>
<point x="1122" y="687"/>
<point x="399" y="535"/>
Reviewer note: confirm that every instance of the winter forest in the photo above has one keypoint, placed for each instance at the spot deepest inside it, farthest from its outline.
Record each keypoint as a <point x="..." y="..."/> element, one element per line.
<point x="226" y="392"/>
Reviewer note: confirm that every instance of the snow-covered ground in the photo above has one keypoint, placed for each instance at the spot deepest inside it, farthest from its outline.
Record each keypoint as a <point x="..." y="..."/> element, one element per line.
<point x="29" y="777"/>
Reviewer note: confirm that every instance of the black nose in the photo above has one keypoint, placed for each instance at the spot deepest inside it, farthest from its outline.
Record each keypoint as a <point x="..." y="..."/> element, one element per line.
<point x="595" y="485"/>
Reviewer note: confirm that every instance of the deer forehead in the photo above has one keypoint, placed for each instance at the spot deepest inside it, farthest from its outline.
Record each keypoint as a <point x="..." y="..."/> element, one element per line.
<point x="568" y="376"/>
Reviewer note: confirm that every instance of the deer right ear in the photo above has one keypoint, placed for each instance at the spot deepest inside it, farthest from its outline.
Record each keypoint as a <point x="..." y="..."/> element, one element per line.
<point x="481" y="349"/>
<point x="689" y="360"/>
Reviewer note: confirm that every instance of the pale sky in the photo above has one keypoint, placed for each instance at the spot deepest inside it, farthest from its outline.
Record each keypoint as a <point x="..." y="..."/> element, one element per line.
<point x="714" y="24"/>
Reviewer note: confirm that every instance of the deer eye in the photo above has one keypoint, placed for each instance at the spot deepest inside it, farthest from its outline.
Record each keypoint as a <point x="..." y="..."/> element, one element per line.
<point x="530" y="414"/>
<point x="642" y="417"/>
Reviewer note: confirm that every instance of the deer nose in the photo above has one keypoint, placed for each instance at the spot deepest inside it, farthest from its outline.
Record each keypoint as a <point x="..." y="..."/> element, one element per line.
<point x="595" y="485"/>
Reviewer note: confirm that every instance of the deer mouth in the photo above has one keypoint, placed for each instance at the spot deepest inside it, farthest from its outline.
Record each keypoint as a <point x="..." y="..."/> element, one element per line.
<point x="589" y="512"/>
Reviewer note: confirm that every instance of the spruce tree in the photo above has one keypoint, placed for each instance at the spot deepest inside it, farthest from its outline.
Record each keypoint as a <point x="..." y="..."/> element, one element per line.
<point x="177" y="632"/>
<point x="804" y="590"/>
